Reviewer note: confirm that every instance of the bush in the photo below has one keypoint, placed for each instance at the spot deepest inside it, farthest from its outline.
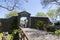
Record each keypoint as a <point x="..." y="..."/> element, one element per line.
<point x="50" y="28"/>
<point x="15" y="34"/>
<point x="39" y="24"/>
<point x="57" y="32"/>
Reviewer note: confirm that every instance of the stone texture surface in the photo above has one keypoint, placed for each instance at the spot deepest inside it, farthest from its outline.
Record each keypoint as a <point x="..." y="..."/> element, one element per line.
<point x="34" y="34"/>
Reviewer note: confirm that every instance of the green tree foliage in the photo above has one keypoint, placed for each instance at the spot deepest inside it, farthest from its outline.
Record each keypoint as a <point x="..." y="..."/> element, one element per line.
<point x="41" y="14"/>
<point x="12" y="13"/>
<point x="52" y="14"/>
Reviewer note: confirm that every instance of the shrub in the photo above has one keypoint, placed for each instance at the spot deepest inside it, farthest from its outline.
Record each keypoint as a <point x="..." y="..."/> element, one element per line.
<point x="15" y="34"/>
<point x="50" y="28"/>
<point x="39" y="24"/>
<point x="57" y="32"/>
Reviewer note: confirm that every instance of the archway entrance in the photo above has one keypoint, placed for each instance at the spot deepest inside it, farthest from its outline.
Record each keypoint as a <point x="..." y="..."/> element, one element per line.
<point x="24" y="21"/>
<point x="25" y="17"/>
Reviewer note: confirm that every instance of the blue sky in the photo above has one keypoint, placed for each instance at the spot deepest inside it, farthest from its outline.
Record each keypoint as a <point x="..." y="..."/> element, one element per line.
<point x="33" y="7"/>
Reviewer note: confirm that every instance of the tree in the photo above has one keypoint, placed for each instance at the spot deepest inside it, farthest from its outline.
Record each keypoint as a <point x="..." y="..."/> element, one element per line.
<point x="58" y="9"/>
<point x="12" y="13"/>
<point x="41" y="14"/>
<point x="11" y="4"/>
<point x="47" y="2"/>
<point x="52" y="14"/>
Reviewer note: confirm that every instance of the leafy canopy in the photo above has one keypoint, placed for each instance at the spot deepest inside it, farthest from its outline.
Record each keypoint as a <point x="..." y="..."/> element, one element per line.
<point x="12" y="13"/>
<point x="41" y="14"/>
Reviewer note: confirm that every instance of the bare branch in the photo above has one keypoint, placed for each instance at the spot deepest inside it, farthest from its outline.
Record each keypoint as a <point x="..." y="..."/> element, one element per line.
<point x="10" y="4"/>
<point x="5" y="8"/>
<point x="47" y="2"/>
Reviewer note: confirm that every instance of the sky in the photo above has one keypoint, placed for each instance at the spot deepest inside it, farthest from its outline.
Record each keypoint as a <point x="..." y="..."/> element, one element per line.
<point x="33" y="7"/>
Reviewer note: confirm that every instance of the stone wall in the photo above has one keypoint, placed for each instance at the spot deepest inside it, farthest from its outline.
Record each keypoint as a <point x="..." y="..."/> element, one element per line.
<point x="44" y="19"/>
<point x="7" y="24"/>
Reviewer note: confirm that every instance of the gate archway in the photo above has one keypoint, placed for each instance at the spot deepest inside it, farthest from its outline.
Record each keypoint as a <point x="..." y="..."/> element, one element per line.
<point x="24" y="14"/>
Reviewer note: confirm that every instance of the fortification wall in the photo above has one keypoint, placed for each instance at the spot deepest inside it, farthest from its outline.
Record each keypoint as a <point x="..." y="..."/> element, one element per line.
<point x="7" y="24"/>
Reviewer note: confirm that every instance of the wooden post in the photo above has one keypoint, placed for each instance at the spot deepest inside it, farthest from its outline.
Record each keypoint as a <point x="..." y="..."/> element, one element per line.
<point x="22" y="35"/>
